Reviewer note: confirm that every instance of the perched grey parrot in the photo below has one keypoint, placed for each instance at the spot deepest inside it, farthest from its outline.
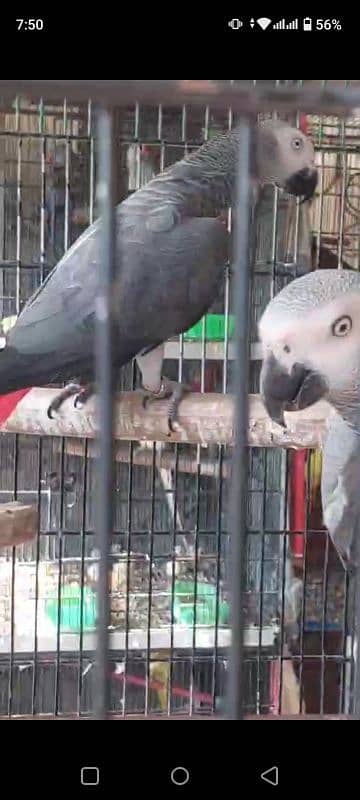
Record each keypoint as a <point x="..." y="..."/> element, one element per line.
<point x="310" y="334"/>
<point x="173" y="251"/>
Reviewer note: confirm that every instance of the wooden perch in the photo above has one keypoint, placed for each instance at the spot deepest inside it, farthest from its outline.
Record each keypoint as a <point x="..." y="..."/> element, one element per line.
<point x="18" y="523"/>
<point x="204" y="419"/>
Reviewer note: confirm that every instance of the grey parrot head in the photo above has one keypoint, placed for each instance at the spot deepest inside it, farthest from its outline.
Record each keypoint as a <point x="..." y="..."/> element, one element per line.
<point x="286" y="157"/>
<point x="310" y="335"/>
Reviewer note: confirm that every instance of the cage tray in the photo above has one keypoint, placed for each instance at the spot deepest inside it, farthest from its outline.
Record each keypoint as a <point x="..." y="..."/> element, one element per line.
<point x="180" y="637"/>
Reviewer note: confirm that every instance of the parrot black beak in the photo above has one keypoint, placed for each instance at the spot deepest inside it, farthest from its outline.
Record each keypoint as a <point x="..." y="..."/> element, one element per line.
<point x="303" y="183"/>
<point x="283" y="391"/>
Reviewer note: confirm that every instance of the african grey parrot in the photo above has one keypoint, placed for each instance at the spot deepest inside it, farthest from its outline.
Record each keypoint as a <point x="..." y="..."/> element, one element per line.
<point x="173" y="251"/>
<point x="310" y="334"/>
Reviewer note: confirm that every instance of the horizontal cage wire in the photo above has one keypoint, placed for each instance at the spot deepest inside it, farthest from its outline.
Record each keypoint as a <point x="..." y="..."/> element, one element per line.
<point x="168" y="572"/>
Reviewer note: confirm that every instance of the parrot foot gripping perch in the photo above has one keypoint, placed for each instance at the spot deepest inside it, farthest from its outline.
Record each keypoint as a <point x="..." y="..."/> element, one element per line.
<point x="168" y="389"/>
<point x="81" y="394"/>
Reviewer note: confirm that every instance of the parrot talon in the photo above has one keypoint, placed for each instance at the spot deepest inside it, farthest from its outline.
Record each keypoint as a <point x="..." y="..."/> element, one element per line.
<point x="168" y="389"/>
<point x="145" y="399"/>
<point x="83" y="396"/>
<point x="150" y="396"/>
<point x="178" y="393"/>
<point x="69" y="391"/>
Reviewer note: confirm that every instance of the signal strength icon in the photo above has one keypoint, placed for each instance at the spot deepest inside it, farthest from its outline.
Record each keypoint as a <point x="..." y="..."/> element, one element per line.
<point x="264" y="22"/>
<point x="290" y="26"/>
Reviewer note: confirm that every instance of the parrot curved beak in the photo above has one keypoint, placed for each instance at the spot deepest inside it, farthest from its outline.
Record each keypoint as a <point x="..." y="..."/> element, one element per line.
<point x="302" y="183"/>
<point x="288" y="391"/>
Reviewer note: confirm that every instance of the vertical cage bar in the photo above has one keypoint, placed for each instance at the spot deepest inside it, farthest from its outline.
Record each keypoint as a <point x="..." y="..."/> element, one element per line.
<point x="354" y="593"/>
<point x="259" y="649"/>
<point x="219" y="530"/>
<point x="304" y="578"/>
<point x="151" y="535"/>
<point x="173" y="550"/>
<point x="12" y="590"/>
<point x="242" y="220"/>
<point x="227" y="290"/>
<point x="285" y="548"/>
<point x="129" y="526"/>
<point x="19" y="210"/>
<point x="91" y="162"/>
<point x="324" y="604"/>
<point x="59" y="581"/>
<point x="42" y="191"/>
<point x="345" y="657"/>
<point x="36" y="599"/>
<point x="105" y="383"/>
<point x="67" y="179"/>
<point x="82" y="534"/>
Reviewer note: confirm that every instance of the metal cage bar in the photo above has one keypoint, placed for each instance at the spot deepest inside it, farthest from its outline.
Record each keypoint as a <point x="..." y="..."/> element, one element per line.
<point x="242" y="266"/>
<point x="105" y="383"/>
<point x="246" y="100"/>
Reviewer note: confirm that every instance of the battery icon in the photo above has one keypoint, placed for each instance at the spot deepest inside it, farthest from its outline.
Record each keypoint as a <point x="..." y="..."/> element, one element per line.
<point x="307" y="24"/>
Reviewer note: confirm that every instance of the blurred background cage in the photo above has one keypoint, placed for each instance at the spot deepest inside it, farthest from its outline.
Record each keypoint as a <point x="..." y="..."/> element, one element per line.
<point x="168" y="581"/>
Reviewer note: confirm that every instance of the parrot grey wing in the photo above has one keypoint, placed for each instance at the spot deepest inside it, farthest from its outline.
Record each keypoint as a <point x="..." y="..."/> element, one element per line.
<point x="58" y="312"/>
<point x="340" y="487"/>
<point x="170" y="277"/>
<point x="189" y="269"/>
<point x="170" y="274"/>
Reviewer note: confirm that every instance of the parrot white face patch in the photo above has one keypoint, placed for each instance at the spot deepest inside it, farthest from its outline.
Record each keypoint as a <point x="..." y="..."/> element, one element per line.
<point x="2" y="342"/>
<point x="320" y="333"/>
<point x="285" y="152"/>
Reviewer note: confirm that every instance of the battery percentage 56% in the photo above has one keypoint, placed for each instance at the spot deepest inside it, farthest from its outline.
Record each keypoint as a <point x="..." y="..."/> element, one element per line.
<point x="328" y="25"/>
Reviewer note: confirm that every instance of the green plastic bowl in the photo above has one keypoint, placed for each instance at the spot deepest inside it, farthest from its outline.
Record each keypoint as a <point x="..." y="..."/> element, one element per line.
<point x="70" y="610"/>
<point x="205" y="604"/>
<point x="215" y="328"/>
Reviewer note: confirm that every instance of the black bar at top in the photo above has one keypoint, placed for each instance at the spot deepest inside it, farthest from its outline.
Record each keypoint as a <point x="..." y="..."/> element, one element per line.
<point x="242" y="216"/>
<point x="105" y="384"/>
<point x="243" y="99"/>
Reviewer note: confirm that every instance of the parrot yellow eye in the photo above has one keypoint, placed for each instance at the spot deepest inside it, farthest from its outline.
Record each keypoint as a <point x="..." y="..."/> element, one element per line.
<point x="342" y="326"/>
<point x="297" y="144"/>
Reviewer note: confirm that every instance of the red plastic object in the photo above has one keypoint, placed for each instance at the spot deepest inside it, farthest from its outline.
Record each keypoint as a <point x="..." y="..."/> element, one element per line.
<point x="210" y="378"/>
<point x="275" y="683"/>
<point x="297" y="510"/>
<point x="9" y="401"/>
<point x="177" y="691"/>
<point x="304" y="124"/>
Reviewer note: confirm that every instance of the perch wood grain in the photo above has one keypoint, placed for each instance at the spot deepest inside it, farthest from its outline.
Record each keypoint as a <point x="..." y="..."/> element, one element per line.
<point x="204" y="419"/>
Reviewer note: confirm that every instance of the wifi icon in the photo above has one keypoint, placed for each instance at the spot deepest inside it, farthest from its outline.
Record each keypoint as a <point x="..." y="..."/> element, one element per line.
<point x="264" y="22"/>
